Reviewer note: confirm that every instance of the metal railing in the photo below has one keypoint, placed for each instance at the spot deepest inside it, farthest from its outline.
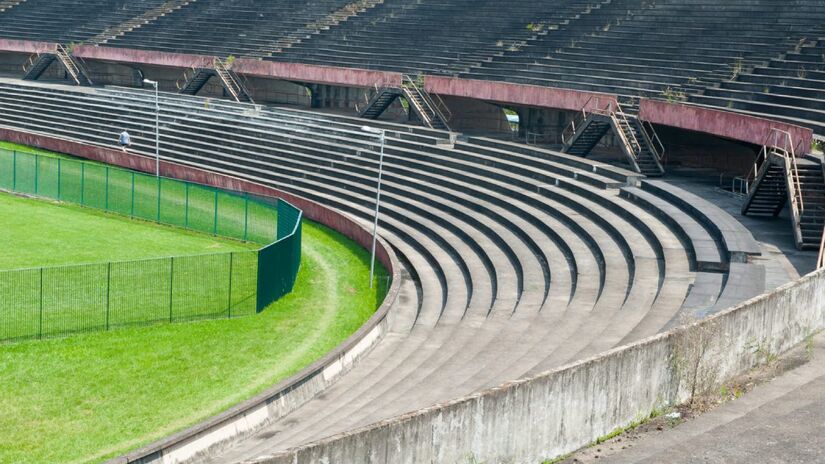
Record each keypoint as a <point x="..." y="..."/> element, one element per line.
<point x="654" y="142"/>
<point x="62" y="54"/>
<point x="235" y="87"/>
<point x="424" y="102"/>
<point x="614" y="112"/>
<point x="820" y="262"/>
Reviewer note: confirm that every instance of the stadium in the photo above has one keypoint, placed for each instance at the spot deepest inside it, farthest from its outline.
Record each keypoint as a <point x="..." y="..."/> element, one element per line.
<point x="407" y="231"/>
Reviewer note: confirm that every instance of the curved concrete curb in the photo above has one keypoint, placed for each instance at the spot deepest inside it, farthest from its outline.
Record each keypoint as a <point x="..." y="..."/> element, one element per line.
<point x="289" y="394"/>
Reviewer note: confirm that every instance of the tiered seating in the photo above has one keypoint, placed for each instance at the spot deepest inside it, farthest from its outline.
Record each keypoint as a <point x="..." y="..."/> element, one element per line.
<point x="67" y="21"/>
<point x="519" y="259"/>
<point x="791" y="88"/>
<point x="435" y="37"/>
<point x="239" y="28"/>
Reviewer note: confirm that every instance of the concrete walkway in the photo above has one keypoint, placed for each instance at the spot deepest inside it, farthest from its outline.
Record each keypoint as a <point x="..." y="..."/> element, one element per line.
<point x="782" y="421"/>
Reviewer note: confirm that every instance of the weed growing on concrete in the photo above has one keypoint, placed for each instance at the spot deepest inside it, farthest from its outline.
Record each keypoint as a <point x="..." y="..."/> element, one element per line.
<point x="690" y="358"/>
<point x="809" y="347"/>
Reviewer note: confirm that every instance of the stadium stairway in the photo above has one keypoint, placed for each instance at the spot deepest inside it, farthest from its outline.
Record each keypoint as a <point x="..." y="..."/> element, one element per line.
<point x="520" y="259"/>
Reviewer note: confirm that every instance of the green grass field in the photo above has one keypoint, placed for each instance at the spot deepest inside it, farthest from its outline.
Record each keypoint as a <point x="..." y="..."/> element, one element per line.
<point x="89" y="397"/>
<point x="46" y="233"/>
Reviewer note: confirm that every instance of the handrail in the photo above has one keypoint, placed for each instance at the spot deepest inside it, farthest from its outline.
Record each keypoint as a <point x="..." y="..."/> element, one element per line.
<point x="426" y="99"/>
<point x="820" y="262"/>
<point x="233" y="85"/>
<point x="656" y="145"/>
<point x="571" y="128"/>
<point x="63" y="55"/>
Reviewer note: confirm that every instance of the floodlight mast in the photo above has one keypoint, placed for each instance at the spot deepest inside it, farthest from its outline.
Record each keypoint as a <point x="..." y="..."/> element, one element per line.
<point x="383" y="135"/>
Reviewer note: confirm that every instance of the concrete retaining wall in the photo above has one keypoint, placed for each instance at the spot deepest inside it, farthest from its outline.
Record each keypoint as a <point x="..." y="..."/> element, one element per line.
<point x="291" y="393"/>
<point x="562" y="410"/>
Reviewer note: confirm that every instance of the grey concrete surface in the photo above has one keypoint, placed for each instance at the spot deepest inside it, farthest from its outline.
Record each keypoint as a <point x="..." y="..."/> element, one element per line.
<point x="780" y="422"/>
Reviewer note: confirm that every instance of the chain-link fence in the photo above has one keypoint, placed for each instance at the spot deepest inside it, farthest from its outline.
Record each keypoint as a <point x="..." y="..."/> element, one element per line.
<point x="52" y="301"/>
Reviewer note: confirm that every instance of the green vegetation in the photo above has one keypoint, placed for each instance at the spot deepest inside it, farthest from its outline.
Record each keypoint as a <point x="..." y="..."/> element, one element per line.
<point x="47" y="233"/>
<point x="91" y="397"/>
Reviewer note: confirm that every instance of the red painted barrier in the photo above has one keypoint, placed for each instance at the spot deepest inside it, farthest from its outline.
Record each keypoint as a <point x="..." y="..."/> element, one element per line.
<point x="26" y="46"/>
<point x="350" y="77"/>
<point x="727" y="124"/>
<point x="150" y="57"/>
<point x="518" y="94"/>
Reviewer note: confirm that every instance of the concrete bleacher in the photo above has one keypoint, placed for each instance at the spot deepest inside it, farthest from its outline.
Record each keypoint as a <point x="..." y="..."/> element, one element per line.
<point x="760" y="57"/>
<point x="68" y="21"/>
<point x="522" y="259"/>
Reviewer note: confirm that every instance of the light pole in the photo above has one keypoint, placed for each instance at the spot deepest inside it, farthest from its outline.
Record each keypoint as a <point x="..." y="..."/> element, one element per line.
<point x="157" y="125"/>
<point x="383" y="134"/>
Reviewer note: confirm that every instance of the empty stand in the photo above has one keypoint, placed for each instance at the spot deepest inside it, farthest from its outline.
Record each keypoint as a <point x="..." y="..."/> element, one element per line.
<point x="520" y="259"/>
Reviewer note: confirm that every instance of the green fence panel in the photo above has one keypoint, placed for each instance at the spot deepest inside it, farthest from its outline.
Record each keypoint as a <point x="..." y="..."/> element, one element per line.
<point x="279" y="262"/>
<point x="173" y="202"/>
<point x="232" y="215"/>
<point x="94" y="186"/>
<point x="48" y="177"/>
<point x="74" y="299"/>
<point x="43" y="302"/>
<point x="71" y="181"/>
<point x="25" y="173"/>
<point x="201" y="286"/>
<point x="6" y="169"/>
<point x="20" y="312"/>
<point x="120" y="193"/>
<point x="244" y="284"/>
<point x="146" y="197"/>
<point x="201" y="210"/>
<point x="262" y="222"/>
<point x="139" y="292"/>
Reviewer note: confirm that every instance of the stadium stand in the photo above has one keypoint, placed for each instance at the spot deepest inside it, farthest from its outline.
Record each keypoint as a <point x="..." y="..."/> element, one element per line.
<point x="512" y="250"/>
<point x="758" y="57"/>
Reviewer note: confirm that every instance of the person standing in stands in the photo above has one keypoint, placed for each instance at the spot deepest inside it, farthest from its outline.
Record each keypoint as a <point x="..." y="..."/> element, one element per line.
<point x="125" y="140"/>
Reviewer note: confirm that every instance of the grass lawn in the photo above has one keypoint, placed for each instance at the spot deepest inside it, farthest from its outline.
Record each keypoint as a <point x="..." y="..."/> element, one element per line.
<point x="45" y="233"/>
<point x="90" y="397"/>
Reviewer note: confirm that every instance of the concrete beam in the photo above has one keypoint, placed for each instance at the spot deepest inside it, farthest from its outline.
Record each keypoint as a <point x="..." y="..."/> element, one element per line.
<point x="27" y="46"/>
<point x="350" y="77"/>
<point x="727" y="124"/>
<point x="518" y="94"/>
<point x="150" y="57"/>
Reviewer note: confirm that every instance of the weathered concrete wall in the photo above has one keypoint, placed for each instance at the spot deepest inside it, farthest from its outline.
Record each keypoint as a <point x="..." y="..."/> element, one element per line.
<point x="473" y="116"/>
<point x="27" y="46"/>
<point x="722" y="123"/>
<point x="351" y="77"/>
<point x="291" y="393"/>
<point x="557" y="412"/>
<point x="517" y="94"/>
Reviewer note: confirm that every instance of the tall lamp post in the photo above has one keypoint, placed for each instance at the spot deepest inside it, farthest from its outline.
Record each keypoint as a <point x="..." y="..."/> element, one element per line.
<point x="383" y="135"/>
<point x="157" y="125"/>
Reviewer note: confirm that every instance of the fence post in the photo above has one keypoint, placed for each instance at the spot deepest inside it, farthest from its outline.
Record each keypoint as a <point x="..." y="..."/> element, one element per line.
<point x="215" y="220"/>
<point x="171" y="284"/>
<point x="108" y="290"/>
<point x="186" y="208"/>
<point x="59" y="168"/>
<point x="107" y="189"/>
<point x="14" y="171"/>
<point x="36" y="173"/>
<point x="158" y="212"/>
<point x="40" y="324"/>
<point x="229" y="306"/>
<point x="246" y="217"/>
<point x="132" y="214"/>
<point x="82" y="183"/>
